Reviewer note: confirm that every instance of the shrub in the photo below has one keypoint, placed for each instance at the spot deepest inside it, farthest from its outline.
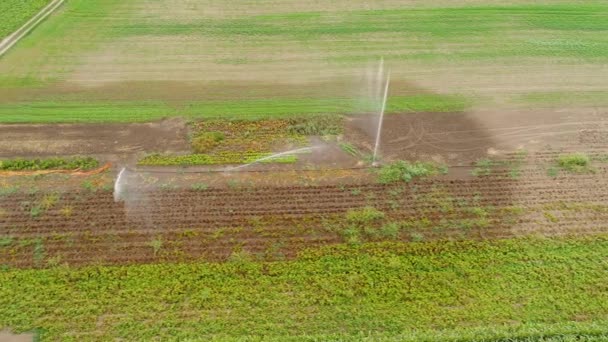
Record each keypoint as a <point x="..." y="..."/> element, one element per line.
<point x="575" y="162"/>
<point x="406" y="171"/>
<point x="364" y="216"/>
<point x="206" y="141"/>
<point x="316" y="125"/>
<point x="390" y="230"/>
<point x="483" y="167"/>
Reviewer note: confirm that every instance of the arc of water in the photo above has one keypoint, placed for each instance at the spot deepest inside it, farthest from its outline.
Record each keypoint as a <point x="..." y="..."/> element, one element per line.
<point x="296" y="151"/>
<point x="117" y="185"/>
<point x="381" y="119"/>
<point x="379" y="77"/>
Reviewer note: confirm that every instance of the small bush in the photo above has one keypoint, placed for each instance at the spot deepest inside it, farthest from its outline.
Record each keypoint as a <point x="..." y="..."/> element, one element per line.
<point x="156" y="245"/>
<point x="483" y="167"/>
<point x="576" y="162"/>
<point x="200" y="187"/>
<point x="204" y="142"/>
<point x="405" y="171"/>
<point x="364" y="216"/>
<point x="390" y="231"/>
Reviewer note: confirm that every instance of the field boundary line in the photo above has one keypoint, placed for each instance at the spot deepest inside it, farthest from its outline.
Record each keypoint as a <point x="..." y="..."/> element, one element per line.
<point x="16" y="36"/>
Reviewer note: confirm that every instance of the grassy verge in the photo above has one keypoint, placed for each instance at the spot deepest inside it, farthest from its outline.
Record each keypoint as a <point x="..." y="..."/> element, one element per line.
<point x="70" y="111"/>
<point x="525" y="288"/>
<point x="14" y="13"/>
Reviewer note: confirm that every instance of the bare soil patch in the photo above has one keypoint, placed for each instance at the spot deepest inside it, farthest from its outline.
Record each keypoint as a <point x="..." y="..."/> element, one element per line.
<point x="115" y="141"/>
<point x="462" y="138"/>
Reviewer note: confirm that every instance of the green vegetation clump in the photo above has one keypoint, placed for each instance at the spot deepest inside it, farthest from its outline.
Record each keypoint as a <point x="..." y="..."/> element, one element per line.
<point x="82" y="163"/>
<point x="206" y="141"/>
<point x="365" y="216"/>
<point x="423" y="291"/>
<point x="404" y="171"/>
<point x="316" y="125"/>
<point x="213" y="159"/>
<point x="575" y="162"/>
<point x="483" y="167"/>
<point x="363" y="224"/>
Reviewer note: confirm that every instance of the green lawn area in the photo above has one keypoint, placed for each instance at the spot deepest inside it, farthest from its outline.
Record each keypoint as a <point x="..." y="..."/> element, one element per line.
<point x="533" y="289"/>
<point x="14" y="13"/>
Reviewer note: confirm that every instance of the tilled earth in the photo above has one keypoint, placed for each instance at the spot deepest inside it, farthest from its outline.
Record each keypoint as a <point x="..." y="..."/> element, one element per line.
<point x="152" y="224"/>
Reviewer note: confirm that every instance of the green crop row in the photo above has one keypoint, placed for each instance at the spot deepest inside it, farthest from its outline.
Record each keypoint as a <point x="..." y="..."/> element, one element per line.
<point x="83" y="163"/>
<point x="243" y="109"/>
<point x="523" y="289"/>
<point x="213" y="159"/>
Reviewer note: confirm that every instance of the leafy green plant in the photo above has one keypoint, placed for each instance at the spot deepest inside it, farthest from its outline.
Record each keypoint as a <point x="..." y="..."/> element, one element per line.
<point x="88" y="186"/>
<point x="552" y="171"/>
<point x="361" y="223"/>
<point x="49" y="200"/>
<point x="200" y="187"/>
<point x="575" y="162"/>
<point x="36" y="210"/>
<point x="6" y="241"/>
<point x="206" y="141"/>
<point x="389" y="231"/>
<point x="403" y="171"/>
<point x="38" y="251"/>
<point x="156" y="244"/>
<point x="483" y="167"/>
<point x="350" y="149"/>
<point x="364" y="216"/>
<point x="82" y="163"/>
<point x="417" y="237"/>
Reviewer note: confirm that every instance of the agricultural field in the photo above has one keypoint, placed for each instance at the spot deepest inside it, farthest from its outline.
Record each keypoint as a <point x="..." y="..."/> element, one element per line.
<point x="221" y="170"/>
<point x="111" y="60"/>
<point x="14" y="13"/>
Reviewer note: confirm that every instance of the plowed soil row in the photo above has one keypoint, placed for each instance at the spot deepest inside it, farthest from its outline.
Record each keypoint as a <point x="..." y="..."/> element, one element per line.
<point x="270" y="223"/>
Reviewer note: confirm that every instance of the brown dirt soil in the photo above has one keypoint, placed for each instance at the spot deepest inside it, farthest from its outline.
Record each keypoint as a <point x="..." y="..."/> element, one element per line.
<point x="462" y="138"/>
<point x="172" y="223"/>
<point x="118" y="140"/>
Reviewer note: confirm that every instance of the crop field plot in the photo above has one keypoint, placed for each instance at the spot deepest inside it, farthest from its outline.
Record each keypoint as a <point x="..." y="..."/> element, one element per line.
<point x="142" y="60"/>
<point x="224" y="171"/>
